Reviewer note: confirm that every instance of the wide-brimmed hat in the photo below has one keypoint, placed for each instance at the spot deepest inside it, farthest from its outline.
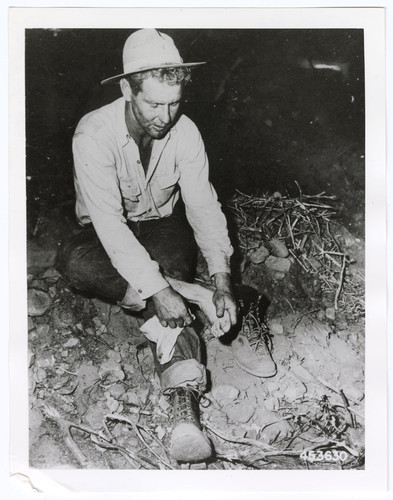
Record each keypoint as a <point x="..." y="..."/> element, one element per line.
<point x="149" y="49"/>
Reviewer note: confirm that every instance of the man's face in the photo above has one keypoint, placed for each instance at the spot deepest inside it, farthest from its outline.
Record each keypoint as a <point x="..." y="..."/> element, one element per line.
<point x="155" y="107"/>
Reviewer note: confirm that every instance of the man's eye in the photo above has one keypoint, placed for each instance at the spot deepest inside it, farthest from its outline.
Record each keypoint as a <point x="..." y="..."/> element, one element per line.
<point x="174" y="104"/>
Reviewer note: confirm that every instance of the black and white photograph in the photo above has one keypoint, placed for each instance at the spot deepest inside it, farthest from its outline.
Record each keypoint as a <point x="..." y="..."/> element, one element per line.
<point x="195" y="248"/>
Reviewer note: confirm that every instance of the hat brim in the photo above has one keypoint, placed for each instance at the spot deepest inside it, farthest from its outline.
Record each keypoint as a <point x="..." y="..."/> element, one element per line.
<point x="115" y="79"/>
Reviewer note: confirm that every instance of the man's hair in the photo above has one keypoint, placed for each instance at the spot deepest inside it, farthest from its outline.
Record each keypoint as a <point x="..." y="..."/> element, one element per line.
<point x="172" y="76"/>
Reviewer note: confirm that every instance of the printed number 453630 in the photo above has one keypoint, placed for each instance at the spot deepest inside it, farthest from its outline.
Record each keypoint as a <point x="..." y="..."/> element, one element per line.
<point x="324" y="456"/>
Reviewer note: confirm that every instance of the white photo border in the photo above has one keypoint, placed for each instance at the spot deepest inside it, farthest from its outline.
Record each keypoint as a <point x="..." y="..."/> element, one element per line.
<point x="374" y="477"/>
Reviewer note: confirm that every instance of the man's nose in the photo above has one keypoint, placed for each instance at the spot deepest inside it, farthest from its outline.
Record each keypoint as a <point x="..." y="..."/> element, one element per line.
<point x="165" y="115"/>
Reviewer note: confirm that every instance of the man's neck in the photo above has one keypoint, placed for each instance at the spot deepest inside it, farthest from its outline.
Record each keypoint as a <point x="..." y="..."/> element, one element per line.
<point x="141" y="138"/>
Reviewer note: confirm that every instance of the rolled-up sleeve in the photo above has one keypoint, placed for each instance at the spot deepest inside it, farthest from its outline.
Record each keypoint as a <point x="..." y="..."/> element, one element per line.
<point x="202" y="207"/>
<point x="95" y="174"/>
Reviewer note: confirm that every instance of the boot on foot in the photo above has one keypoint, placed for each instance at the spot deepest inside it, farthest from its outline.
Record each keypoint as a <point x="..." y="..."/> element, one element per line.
<point x="252" y="347"/>
<point x="188" y="443"/>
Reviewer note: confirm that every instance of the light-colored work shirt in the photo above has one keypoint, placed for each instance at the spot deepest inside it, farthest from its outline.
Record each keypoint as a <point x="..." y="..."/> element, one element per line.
<point x="112" y="186"/>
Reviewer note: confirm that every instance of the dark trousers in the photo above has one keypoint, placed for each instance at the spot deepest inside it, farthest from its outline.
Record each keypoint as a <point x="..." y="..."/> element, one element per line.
<point x="169" y="241"/>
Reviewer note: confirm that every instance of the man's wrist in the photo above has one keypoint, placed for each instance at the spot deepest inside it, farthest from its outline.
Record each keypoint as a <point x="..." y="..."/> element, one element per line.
<point x="222" y="281"/>
<point x="160" y="292"/>
<point x="153" y="282"/>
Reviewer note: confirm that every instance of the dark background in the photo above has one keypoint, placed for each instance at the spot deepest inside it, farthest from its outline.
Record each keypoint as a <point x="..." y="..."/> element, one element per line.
<point x="266" y="121"/>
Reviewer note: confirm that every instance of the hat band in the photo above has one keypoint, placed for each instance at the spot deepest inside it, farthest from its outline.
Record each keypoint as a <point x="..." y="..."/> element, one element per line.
<point x="143" y="64"/>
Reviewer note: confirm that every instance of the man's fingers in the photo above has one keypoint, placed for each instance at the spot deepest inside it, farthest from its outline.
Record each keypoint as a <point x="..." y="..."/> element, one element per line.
<point x="232" y="310"/>
<point x="231" y="307"/>
<point x="180" y="322"/>
<point x="185" y="320"/>
<point x="226" y="306"/>
<point x="188" y="320"/>
<point x="225" y="326"/>
<point x="220" y="307"/>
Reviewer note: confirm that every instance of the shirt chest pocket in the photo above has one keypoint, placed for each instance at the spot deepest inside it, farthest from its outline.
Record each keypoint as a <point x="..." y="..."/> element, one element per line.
<point x="164" y="187"/>
<point x="130" y="192"/>
<point x="168" y="181"/>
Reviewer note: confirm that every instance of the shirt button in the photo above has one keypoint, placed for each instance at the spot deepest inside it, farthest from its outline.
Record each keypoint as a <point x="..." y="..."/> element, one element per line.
<point x="138" y="161"/>
<point x="149" y="210"/>
<point x="139" y="291"/>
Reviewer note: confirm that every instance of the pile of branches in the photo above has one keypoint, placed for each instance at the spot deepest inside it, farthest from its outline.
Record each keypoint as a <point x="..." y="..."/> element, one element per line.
<point x="303" y="223"/>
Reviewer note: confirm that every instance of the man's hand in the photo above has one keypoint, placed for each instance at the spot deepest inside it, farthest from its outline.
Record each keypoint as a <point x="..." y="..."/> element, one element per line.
<point x="171" y="309"/>
<point x="223" y="297"/>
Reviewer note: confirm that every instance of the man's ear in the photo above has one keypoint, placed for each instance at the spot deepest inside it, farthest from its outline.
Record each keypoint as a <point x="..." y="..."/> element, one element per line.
<point x="126" y="89"/>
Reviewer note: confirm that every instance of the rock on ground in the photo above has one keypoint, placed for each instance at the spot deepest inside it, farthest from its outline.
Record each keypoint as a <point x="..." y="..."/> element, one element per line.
<point x="224" y="393"/>
<point x="277" y="267"/>
<point x="38" y="302"/>
<point x="260" y="255"/>
<point x="277" y="248"/>
<point x="240" y="411"/>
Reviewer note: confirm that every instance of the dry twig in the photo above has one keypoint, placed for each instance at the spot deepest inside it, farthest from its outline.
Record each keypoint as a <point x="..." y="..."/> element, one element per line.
<point x="231" y="439"/>
<point x="137" y="429"/>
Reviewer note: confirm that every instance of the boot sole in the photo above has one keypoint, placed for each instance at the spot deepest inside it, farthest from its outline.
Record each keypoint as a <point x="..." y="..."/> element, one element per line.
<point x="255" y="373"/>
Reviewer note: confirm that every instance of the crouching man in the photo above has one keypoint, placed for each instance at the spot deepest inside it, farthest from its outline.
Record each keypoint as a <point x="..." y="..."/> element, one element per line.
<point x="145" y="202"/>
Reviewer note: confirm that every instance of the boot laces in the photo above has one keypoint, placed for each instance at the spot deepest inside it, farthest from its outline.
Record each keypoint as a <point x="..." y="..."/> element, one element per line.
<point x="256" y="331"/>
<point x="185" y="405"/>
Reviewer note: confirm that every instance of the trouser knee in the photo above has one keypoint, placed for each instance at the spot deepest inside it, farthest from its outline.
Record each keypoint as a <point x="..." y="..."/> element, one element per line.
<point x="179" y="266"/>
<point x="76" y="261"/>
<point x="86" y="266"/>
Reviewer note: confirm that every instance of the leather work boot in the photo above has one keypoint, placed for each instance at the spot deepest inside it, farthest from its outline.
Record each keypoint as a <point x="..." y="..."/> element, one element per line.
<point x="188" y="443"/>
<point x="251" y="348"/>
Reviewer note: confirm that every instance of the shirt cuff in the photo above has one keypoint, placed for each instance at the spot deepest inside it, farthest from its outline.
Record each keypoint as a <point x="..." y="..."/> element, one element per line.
<point x="220" y="264"/>
<point x="152" y="284"/>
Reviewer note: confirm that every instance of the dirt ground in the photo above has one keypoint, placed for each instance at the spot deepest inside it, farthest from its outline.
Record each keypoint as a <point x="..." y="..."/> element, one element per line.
<point x="94" y="396"/>
<point x="92" y="373"/>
